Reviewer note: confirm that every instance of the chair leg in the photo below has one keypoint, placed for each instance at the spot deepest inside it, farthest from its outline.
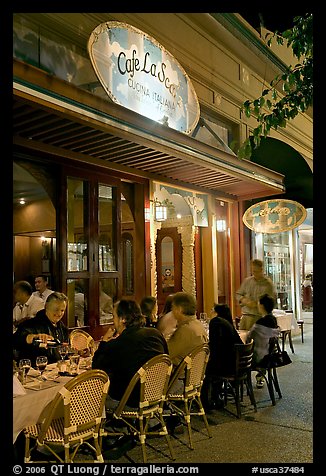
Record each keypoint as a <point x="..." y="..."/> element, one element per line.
<point x="27" y="456"/>
<point x="203" y="414"/>
<point x="290" y="342"/>
<point x="283" y="339"/>
<point x="270" y="386"/>
<point x="237" y="398"/>
<point x="187" y="419"/>
<point x="275" y="381"/>
<point x="250" y="391"/>
<point x="167" y="436"/>
<point x="142" y="438"/>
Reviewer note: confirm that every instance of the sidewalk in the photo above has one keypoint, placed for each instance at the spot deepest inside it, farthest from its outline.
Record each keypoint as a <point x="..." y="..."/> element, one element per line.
<point x="274" y="434"/>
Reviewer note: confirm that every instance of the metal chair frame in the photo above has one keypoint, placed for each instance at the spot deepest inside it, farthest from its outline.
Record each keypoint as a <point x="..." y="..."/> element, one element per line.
<point x="192" y="371"/>
<point x="242" y="375"/>
<point x="82" y="402"/>
<point x="269" y="373"/>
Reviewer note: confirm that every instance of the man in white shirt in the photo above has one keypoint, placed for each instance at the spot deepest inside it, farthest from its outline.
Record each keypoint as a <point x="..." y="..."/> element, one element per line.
<point x="27" y="304"/>
<point x="41" y="286"/>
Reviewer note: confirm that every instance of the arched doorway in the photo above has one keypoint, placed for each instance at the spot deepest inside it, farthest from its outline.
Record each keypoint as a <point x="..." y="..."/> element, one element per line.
<point x="168" y="264"/>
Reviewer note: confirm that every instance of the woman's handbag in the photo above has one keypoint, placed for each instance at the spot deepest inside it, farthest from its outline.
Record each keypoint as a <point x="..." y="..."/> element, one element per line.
<point x="278" y="357"/>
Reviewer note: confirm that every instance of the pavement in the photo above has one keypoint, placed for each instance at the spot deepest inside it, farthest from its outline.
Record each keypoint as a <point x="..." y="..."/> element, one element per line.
<point x="281" y="434"/>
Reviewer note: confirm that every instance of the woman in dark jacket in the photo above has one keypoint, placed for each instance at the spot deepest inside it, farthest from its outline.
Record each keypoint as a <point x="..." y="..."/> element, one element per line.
<point x="222" y="337"/>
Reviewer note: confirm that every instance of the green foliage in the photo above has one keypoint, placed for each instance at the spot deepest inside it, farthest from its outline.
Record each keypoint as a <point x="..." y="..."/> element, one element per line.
<point x="271" y="109"/>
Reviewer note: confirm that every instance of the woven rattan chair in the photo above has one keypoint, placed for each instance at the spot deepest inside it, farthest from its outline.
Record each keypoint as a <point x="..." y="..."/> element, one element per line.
<point x="82" y="402"/>
<point x="233" y="383"/>
<point x="81" y="340"/>
<point x="152" y="378"/>
<point x="187" y="402"/>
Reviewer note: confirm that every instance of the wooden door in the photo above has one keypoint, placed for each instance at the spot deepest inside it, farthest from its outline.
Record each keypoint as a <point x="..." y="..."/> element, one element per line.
<point x="168" y="264"/>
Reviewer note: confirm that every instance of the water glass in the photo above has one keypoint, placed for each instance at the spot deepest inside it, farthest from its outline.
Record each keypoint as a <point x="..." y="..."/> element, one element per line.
<point x="24" y="365"/>
<point x="74" y="363"/>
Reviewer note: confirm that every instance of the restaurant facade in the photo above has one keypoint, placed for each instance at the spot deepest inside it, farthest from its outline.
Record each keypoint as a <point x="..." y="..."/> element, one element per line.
<point x="126" y="128"/>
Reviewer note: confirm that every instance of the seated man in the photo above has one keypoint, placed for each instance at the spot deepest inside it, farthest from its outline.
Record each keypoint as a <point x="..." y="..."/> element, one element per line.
<point x="190" y="332"/>
<point x="125" y="348"/>
<point x="27" y="305"/>
<point x="32" y="336"/>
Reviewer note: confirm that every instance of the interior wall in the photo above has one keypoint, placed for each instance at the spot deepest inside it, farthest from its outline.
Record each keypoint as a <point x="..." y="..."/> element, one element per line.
<point x="36" y="216"/>
<point x="28" y="258"/>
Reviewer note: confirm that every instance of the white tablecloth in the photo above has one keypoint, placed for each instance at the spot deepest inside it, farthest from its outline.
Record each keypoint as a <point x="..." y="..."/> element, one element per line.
<point x="28" y="409"/>
<point x="286" y="321"/>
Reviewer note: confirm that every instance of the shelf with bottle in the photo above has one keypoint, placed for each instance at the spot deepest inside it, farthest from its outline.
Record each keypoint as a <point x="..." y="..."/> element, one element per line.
<point x="77" y="256"/>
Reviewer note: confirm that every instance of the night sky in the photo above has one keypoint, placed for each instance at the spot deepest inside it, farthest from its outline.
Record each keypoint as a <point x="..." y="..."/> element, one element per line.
<point x="272" y="21"/>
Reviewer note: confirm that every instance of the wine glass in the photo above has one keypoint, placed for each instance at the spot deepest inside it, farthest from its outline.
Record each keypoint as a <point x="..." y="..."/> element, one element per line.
<point x="63" y="350"/>
<point x="41" y="363"/>
<point x="24" y="365"/>
<point x="203" y="319"/>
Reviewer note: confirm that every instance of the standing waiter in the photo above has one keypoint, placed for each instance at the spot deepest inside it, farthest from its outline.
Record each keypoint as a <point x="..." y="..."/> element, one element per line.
<point x="250" y="291"/>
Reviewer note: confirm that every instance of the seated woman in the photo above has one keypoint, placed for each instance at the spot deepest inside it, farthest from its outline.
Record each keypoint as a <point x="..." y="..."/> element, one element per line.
<point x="148" y="306"/>
<point x="125" y="348"/>
<point x="167" y="323"/>
<point x="222" y="337"/>
<point x="261" y="332"/>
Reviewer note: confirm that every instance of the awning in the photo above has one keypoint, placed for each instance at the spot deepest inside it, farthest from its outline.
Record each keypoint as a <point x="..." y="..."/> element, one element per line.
<point x="298" y="177"/>
<point x="52" y="116"/>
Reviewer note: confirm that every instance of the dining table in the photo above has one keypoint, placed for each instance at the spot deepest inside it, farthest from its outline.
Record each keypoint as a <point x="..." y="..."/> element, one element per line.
<point x="31" y="403"/>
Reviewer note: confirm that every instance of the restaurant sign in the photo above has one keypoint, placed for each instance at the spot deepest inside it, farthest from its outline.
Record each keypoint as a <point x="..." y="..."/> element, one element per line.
<point x="274" y="216"/>
<point x="140" y="74"/>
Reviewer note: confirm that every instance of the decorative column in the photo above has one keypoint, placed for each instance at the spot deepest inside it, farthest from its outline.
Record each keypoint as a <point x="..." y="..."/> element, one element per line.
<point x="187" y="232"/>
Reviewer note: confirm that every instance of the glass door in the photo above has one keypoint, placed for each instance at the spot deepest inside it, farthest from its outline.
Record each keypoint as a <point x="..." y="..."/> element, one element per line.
<point x="276" y="252"/>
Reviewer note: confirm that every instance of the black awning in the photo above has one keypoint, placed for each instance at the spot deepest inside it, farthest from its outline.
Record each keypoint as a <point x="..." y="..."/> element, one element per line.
<point x="280" y="157"/>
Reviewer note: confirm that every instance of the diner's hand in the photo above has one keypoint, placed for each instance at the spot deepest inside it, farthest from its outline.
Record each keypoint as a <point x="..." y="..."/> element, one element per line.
<point x="42" y="337"/>
<point x="111" y="333"/>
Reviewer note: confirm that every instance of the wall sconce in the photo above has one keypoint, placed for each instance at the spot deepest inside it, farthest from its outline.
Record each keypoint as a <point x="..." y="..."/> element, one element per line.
<point x="220" y="225"/>
<point x="161" y="211"/>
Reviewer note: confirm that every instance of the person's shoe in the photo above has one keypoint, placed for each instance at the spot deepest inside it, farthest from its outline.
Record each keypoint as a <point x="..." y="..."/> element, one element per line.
<point x="259" y="382"/>
<point x="119" y="448"/>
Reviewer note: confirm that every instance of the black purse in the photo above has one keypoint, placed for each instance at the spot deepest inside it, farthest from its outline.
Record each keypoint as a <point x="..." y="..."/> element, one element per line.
<point x="278" y="357"/>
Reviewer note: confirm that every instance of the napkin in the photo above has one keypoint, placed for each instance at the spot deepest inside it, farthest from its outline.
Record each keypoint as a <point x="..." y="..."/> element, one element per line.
<point x="33" y="373"/>
<point x="50" y="374"/>
<point x="18" y="389"/>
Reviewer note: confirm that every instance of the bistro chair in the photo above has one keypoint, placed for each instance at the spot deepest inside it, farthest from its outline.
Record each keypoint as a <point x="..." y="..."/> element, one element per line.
<point x="81" y="341"/>
<point x="234" y="382"/>
<point x="82" y="403"/>
<point x="269" y="372"/>
<point x="151" y="383"/>
<point x="187" y="401"/>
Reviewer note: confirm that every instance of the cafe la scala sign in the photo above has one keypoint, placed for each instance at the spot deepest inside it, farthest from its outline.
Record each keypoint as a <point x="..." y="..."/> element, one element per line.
<point x="274" y="216"/>
<point x="140" y="74"/>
